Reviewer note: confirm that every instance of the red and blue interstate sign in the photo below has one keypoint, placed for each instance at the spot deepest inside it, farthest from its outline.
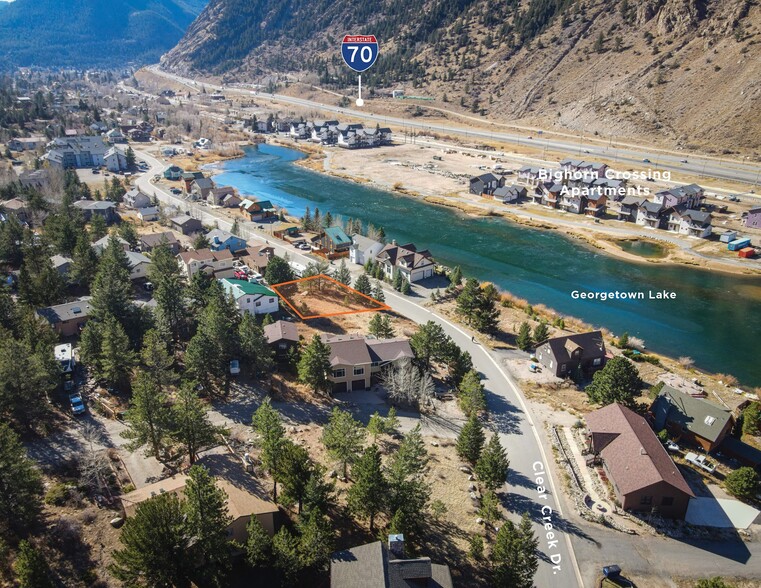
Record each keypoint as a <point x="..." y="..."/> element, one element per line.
<point x="359" y="51"/>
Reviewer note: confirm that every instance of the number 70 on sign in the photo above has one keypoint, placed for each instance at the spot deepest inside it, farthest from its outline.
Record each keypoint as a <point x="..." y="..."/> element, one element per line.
<point x="359" y="53"/>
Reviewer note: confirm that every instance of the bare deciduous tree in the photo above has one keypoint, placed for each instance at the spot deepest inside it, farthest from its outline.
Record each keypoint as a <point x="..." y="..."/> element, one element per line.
<point x="406" y="384"/>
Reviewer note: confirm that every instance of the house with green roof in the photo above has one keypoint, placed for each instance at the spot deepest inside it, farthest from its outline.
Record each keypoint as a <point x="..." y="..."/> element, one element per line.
<point x="251" y="297"/>
<point x="173" y="172"/>
<point x="334" y="240"/>
<point x="689" y="419"/>
<point x="258" y="210"/>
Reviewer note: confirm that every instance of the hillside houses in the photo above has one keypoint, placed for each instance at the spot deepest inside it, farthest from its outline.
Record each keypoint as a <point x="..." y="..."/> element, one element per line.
<point x="346" y="135"/>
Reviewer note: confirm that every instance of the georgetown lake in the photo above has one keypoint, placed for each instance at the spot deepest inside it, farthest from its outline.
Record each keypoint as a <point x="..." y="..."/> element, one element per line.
<point x="715" y="318"/>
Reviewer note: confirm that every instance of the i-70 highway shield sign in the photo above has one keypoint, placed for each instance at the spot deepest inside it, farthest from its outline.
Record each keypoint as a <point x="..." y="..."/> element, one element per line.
<point x="359" y="51"/>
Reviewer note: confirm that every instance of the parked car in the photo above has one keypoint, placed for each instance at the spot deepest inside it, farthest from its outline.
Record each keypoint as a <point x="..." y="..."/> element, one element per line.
<point x="148" y="286"/>
<point x="645" y="160"/>
<point x="684" y="161"/>
<point x="176" y="191"/>
<point x="671" y="446"/>
<point x="234" y="367"/>
<point x="95" y="170"/>
<point x="77" y="404"/>
<point x="701" y="461"/>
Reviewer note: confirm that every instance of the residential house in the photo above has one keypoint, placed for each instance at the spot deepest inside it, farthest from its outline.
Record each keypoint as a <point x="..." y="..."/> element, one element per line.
<point x="67" y="319"/>
<point x="149" y="213"/>
<point x="219" y="239"/>
<point x="356" y="361"/>
<point x="567" y="355"/>
<point x="363" y="249"/>
<point x="299" y="130"/>
<point x="323" y="131"/>
<point x="189" y="177"/>
<point x="592" y="169"/>
<point x="201" y="188"/>
<point x="139" y="135"/>
<point x="101" y="244"/>
<point x="62" y="264"/>
<point x="103" y="208"/>
<point x="348" y="136"/>
<point x="531" y="175"/>
<point x="334" y="241"/>
<point x="689" y="419"/>
<point x="510" y="194"/>
<point x="258" y="210"/>
<point x="284" y="125"/>
<point x="251" y="297"/>
<point x="286" y="231"/>
<point x="412" y="264"/>
<point x="257" y="257"/>
<point x="76" y="152"/>
<point x="552" y="194"/>
<point x="572" y="200"/>
<point x="281" y="336"/>
<point x="651" y="215"/>
<point x="215" y="263"/>
<point x="376" y="565"/>
<point x="186" y="225"/>
<point x="485" y="184"/>
<point x="134" y="198"/>
<point x="628" y="208"/>
<point x="217" y="195"/>
<point x="27" y="143"/>
<point x="115" y="159"/>
<point x="753" y="220"/>
<point x="596" y="203"/>
<point x="643" y="475"/>
<point x="691" y="196"/>
<point x="687" y="221"/>
<point x="231" y="201"/>
<point x="115" y="136"/>
<point x="150" y="241"/>
<point x="17" y="208"/>
<point x="173" y="172"/>
<point x="37" y="179"/>
<point x="262" y="126"/>
<point x="138" y="265"/>
<point x="244" y="498"/>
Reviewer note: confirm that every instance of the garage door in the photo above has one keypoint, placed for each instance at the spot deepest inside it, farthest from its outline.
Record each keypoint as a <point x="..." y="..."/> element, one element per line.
<point x="358" y="384"/>
<point x="339" y="387"/>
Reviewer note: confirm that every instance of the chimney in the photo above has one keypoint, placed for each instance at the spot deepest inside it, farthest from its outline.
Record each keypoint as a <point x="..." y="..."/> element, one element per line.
<point x="396" y="545"/>
<point x="393" y="242"/>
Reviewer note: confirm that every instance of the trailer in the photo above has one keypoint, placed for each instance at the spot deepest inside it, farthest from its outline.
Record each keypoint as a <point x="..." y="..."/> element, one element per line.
<point x="738" y="244"/>
<point x="747" y="252"/>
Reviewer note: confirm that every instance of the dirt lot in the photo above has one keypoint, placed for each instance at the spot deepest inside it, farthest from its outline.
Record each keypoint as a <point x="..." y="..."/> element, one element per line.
<point x="320" y="297"/>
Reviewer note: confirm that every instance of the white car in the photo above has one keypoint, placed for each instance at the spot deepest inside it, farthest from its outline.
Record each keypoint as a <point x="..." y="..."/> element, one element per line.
<point x="234" y="367"/>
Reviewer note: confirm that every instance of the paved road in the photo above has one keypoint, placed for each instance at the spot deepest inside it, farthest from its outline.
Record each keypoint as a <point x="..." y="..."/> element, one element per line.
<point x="509" y="415"/>
<point x="710" y="167"/>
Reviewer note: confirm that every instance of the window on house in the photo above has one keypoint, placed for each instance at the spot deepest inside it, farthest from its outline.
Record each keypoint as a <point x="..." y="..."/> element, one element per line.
<point x="282" y="345"/>
<point x="272" y="300"/>
<point x="597" y="361"/>
<point x="258" y="303"/>
<point x="339" y="373"/>
<point x="667" y="501"/>
<point x="646" y="500"/>
<point x="359" y="371"/>
<point x="562" y="368"/>
<point x="248" y="301"/>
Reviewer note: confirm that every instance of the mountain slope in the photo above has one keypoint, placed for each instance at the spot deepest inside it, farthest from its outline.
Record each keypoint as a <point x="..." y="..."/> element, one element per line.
<point x="685" y="71"/>
<point x="88" y="33"/>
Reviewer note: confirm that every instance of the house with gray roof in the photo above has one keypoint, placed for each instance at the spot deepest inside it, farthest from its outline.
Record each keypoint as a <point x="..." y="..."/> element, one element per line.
<point x="691" y="196"/>
<point x="67" y="319"/>
<point x="412" y="264"/>
<point x="693" y="420"/>
<point x="103" y="208"/>
<point x="509" y="194"/>
<point x="644" y="477"/>
<point x="687" y="221"/>
<point x="573" y="355"/>
<point x="363" y="249"/>
<point x="134" y="198"/>
<point x="151" y="240"/>
<point x="753" y="218"/>
<point x="375" y="565"/>
<point x="651" y="215"/>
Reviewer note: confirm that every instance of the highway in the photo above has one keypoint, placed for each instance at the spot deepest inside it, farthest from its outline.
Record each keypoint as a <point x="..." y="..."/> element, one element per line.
<point x="582" y="148"/>
<point x="531" y="486"/>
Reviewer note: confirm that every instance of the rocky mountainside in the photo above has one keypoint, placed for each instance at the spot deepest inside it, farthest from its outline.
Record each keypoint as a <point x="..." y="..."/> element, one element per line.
<point x="91" y="33"/>
<point x="686" y="71"/>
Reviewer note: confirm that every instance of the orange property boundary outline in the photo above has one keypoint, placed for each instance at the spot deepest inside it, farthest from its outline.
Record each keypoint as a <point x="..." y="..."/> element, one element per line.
<point x="349" y="290"/>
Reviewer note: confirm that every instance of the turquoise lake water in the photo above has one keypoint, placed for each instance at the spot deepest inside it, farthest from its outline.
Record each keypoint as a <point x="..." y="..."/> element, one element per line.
<point x="715" y="319"/>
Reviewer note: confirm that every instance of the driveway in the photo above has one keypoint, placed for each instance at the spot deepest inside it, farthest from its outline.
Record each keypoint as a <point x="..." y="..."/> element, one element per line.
<point x="721" y="512"/>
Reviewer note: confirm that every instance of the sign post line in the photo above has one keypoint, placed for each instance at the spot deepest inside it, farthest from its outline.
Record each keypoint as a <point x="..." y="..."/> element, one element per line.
<point x="360" y="102"/>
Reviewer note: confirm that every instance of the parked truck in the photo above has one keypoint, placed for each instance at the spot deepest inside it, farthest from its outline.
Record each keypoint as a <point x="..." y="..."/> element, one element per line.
<point x="738" y="244"/>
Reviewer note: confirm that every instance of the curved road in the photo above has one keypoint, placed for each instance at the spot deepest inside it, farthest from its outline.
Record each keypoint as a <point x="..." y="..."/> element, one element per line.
<point x="530" y="465"/>
<point x="711" y="167"/>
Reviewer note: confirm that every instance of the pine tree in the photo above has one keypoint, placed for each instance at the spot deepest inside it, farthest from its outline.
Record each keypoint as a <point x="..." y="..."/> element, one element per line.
<point x="192" y="426"/>
<point x="207" y="521"/>
<point x="405" y="287"/>
<point x="278" y="271"/>
<point x="255" y="352"/>
<point x="486" y="315"/>
<point x="380" y="326"/>
<point x="156" y="546"/>
<point x="397" y="281"/>
<point x="314" y="365"/>
<point x="149" y="418"/>
<point x="470" y="441"/>
<point x="492" y="467"/>
<point x="157" y="360"/>
<point x="31" y="568"/>
<point x="20" y="503"/>
<point x="471" y="396"/>
<point x="430" y="344"/>
<point x="268" y="425"/>
<point x="541" y="332"/>
<point x="130" y="157"/>
<point x="392" y="422"/>
<point x="618" y="381"/>
<point x="170" y="291"/>
<point x="84" y="262"/>
<point x="366" y="496"/>
<point x="376" y="426"/>
<point x="343" y="438"/>
<point x="469" y="299"/>
<point x="112" y="288"/>
<point x="306" y="220"/>
<point x="489" y="510"/>
<point x="327" y="220"/>
<point x="293" y="471"/>
<point x="514" y="555"/>
<point x="343" y="275"/>
<point x="315" y="541"/>
<point x="285" y="550"/>
<point x="378" y="292"/>
<point x="258" y="544"/>
<point x="316" y="221"/>
<point x="524" y="341"/>
<point x="455" y="276"/>
<point x="363" y="286"/>
<point x="116" y="358"/>
<point x="319" y="492"/>
<point x="98" y="227"/>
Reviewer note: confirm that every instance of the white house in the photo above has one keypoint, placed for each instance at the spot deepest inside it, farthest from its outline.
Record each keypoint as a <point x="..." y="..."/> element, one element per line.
<point x="217" y="263"/>
<point x="138" y="265"/>
<point x="412" y="264"/>
<point x="251" y="297"/>
<point x="115" y="159"/>
<point x="149" y="213"/>
<point x="363" y="249"/>
<point x="136" y="199"/>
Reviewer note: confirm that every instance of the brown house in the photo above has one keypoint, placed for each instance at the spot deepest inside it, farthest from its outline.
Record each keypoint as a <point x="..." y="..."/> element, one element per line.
<point x="150" y="240"/>
<point x="256" y="257"/>
<point x="68" y="318"/>
<point x="186" y="225"/>
<point x="691" y="420"/>
<point x="281" y="336"/>
<point x="644" y="477"/>
<point x="565" y="355"/>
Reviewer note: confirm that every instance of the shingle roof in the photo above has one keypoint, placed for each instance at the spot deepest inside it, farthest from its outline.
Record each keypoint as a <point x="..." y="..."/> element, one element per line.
<point x="633" y="454"/>
<point x="696" y="415"/>
<point x="153" y="239"/>
<point x="65" y="312"/>
<point x="362" y="566"/>
<point x="280" y="331"/>
<point x="591" y="343"/>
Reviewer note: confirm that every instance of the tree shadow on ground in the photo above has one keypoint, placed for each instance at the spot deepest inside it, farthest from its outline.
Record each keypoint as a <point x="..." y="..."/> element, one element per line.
<point x="504" y="416"/>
